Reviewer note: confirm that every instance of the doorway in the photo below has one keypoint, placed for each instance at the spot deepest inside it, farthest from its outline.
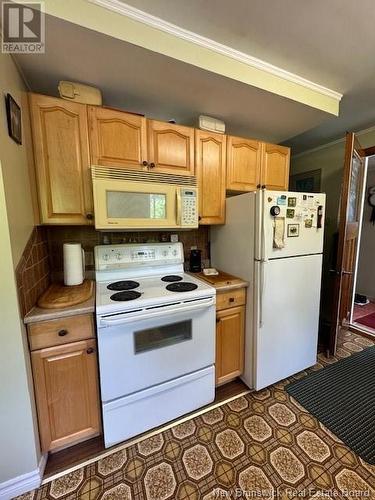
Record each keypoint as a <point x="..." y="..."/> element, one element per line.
<point x="362" y="316"/>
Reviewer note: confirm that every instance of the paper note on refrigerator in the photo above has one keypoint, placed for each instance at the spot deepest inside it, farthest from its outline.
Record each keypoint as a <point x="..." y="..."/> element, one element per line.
<point x="278" y="232"/>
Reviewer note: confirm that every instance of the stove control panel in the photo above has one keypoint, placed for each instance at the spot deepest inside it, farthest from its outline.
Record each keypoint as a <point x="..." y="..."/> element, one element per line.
<point x="136" y="255"/>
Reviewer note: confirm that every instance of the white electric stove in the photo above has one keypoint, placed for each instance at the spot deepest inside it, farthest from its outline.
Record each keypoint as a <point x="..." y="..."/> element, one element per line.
<point x="156" y="337"/>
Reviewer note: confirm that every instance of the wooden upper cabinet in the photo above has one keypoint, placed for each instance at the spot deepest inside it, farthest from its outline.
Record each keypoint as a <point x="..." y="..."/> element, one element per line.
<point x="67" y="396"/>
<point x="170" y="148"/>
<point x="275" y="167"/>
<point x="210" y="160"/>
<point x="62" y="160"/>
<point x="243" y="164"/>
<point x="117" y="139"/>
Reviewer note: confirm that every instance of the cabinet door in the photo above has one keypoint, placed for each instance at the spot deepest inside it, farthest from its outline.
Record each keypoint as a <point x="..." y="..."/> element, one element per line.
<point x="210" y="161"/>
<point x="171" y="148"/>
<point x="243" y="164"/>
<point x="66" y="391"/>
<point x="275" y="167"/>
<point x="62" y="160"/>
<point x="230" y="325"/>
<point x="117" y="139"/>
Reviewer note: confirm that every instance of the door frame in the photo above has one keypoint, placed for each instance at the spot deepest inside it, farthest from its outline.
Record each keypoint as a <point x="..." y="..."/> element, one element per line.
<point x="361" y="330"/>
<point x="352" y="146"/>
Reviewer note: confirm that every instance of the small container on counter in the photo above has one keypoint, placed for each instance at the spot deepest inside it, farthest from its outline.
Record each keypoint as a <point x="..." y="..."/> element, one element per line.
<point x="195" y="262"/>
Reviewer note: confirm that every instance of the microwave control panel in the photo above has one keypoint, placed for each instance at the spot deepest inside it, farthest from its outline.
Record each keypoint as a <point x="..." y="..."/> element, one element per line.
<point x="189" y="207"/>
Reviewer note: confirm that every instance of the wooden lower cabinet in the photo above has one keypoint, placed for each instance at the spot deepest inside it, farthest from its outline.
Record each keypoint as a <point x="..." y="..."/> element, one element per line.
<point x="230" y="335"/>
<point x="66" y="392"/>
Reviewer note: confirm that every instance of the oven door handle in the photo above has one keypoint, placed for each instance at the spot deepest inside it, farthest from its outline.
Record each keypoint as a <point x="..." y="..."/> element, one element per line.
<point x="150" y="315"/>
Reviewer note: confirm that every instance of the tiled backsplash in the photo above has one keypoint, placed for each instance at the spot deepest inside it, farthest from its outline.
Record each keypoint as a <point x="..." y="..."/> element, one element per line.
<point x="89" y="237"/>
<point x="33" y="270"/>
<point x="42" y="259"/>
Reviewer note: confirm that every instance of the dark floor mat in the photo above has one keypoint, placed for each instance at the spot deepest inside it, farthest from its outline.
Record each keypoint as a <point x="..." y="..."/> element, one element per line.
<point x="342" y="397"/>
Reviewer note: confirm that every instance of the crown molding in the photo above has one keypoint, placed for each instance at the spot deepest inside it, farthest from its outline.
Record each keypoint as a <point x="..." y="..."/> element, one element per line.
<point x="161" y="25"/>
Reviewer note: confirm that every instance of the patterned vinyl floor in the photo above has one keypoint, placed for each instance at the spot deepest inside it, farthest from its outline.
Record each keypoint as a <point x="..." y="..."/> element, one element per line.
<point x="262" y="445"/>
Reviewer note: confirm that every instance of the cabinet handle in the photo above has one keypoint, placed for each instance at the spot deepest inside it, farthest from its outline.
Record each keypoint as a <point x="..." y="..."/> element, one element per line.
<point x="217" y="320"/>
<point x="264" y="186"/>
<point x="90" y="350"/>
<point x="258" y="186"/>
<point x="152" y="165"/>
<point x="145" y="163"/>
<point x="62" y="333"/>
<point x="89" y="216"/>
<point x="199" y="217"/>
<point x="231" y="299"/>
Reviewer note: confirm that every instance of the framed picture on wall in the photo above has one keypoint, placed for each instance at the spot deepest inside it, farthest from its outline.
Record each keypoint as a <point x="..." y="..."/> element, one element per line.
<point x="307" y="182"/>
<point x="13" y="119"/>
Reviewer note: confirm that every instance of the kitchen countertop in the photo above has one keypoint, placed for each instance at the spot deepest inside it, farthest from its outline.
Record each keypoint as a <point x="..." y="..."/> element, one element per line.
<point x="223" y="281"/>
<point x="38" y="314"/>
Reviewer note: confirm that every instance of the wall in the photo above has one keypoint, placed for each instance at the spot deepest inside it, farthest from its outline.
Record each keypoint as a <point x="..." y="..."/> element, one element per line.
<point x="329" y="158"/>
<point x="366" y="271"/>
<point x="19" y="445"/>
<point x="15" y="160"/>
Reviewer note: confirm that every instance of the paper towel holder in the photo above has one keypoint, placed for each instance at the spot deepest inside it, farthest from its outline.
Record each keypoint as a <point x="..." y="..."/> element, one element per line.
<point x="74" y="265"/>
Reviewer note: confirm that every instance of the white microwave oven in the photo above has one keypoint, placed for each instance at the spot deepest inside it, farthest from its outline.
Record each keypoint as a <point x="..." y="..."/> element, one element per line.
<point x="131" y="199"/>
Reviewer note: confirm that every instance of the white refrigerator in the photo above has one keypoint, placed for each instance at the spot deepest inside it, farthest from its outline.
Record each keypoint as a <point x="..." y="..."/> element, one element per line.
<point x="274" y="240"/>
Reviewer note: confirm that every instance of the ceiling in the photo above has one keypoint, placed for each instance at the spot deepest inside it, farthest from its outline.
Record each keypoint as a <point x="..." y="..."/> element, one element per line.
<point x="136" y="79"/>
<point x="328" y="42"/>
<point x="309" y="38"/>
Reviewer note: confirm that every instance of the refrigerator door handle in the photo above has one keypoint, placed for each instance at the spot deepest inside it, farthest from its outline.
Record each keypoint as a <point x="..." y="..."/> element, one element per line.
<point x="263" y="229"/>
<point x="261" y="291"/>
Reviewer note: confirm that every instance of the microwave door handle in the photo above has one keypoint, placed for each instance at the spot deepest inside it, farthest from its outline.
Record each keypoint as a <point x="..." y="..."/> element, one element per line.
<point x="178" y="206"/>
<point x="150" y="315"/>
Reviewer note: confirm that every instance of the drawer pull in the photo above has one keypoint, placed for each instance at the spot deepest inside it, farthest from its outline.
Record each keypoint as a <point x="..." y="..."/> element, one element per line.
<point x="231" y="299"/>
<point x="62" y="333"/>
<point x="90" y="350"/>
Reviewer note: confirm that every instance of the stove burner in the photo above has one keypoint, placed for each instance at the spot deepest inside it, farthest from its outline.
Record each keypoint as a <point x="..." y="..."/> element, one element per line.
<point x="127" y="295"/>
<point x="171" y="277"/>
<point x="123" y="285"/>
<point x="182" y="286"/>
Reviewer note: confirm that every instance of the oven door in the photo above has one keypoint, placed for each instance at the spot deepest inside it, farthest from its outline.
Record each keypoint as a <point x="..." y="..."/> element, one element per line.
<point x="159" y="346"/>
<point x="121" y="204"/>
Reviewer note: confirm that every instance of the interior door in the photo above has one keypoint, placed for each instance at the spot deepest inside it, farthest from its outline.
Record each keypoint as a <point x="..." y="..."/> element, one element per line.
<point x="349" y="224"/>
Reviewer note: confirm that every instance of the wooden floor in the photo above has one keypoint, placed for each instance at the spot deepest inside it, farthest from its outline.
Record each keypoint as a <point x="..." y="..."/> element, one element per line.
<point x="75" y="455"/>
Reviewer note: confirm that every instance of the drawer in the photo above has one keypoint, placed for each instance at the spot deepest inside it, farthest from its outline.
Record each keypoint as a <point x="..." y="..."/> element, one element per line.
<point x="60" y="331"/>
<point x="232" y="298"/>
<point x="131" y="415"/>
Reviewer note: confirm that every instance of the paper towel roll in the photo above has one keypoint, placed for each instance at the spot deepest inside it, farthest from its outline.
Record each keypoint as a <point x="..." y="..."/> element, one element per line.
<point x="74" y="264"/>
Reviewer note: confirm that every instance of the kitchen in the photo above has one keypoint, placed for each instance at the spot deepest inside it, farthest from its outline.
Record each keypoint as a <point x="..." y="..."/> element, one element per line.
<point x="131" y="192"/>
<point x="170" y="356"/>
<point x="151" y="281"/>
